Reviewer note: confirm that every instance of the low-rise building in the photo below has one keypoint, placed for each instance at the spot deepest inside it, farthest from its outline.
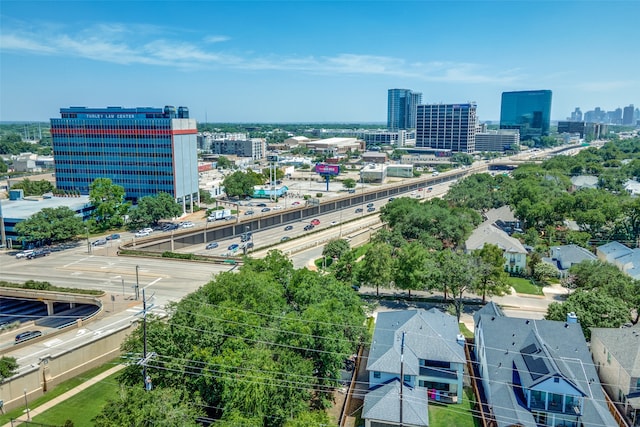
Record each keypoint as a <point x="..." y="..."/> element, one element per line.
<point x="514" y="253"/>
<point x="563" y="257"/>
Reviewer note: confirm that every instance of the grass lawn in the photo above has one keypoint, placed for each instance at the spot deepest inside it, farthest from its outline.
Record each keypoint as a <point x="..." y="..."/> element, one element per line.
<point x="464" y="330"/>
<point x="454" y="414"/>
<point x="524" y="286"/>
<point x="57" y="391"/>
<point x="82" y="407"/>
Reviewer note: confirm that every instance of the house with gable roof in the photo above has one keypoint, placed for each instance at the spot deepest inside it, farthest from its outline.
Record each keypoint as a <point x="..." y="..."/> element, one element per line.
<point x="514" y="253"/>
<point x="616" y="353"/>
<point x="563" y="257"/>
<point x="537" y="373"/>
<point x="423" y="349"/>
<point x="626" y="259"/>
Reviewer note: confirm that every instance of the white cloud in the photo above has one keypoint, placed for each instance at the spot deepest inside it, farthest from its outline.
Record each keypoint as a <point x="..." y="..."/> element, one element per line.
<point x="113" y="42"/>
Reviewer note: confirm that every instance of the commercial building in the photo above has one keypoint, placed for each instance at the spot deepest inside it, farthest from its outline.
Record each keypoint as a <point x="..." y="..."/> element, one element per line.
<point x="585" y="130"/>
<point x="399" y="138"/>
<point x="145" y="150"/>
<point x="255" y="148"/>
<point x="401" y="109"/>
<point x="447" y="127"/>
<point x="628" y="116"/>
<point x="528" y="111"/>
<point x="497" y="140"/>
<point x="334" y="146"/>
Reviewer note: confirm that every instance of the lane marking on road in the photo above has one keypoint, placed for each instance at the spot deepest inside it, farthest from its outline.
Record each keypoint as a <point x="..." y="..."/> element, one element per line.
<point x="153" y="283"/>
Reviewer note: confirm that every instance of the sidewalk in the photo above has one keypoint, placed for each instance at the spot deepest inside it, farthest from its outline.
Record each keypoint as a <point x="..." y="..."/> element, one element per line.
<point x="64" y="396"/>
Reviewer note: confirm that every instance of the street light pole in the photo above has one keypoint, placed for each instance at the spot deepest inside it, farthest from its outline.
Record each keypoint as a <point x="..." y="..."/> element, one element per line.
<point x="26" y="404"/>
<point x="137" y="282"/>
<point x="88" y="243"/>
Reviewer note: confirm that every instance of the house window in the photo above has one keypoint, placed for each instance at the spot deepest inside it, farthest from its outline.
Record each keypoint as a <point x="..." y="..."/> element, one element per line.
<point x="407" y="378"/>
<point x="376" y="374"/>
<point x="556" y="380"/>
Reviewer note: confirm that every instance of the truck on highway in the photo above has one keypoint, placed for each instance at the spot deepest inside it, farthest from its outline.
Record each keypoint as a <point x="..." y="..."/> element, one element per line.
<point x="219" y="214"/>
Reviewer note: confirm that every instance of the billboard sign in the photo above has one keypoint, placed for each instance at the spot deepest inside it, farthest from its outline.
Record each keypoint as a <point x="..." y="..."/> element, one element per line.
<point x="325" y="169"/>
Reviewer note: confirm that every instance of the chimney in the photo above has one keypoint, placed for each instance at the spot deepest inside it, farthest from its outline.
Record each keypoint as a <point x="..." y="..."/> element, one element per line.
<point x="572" y="318"/>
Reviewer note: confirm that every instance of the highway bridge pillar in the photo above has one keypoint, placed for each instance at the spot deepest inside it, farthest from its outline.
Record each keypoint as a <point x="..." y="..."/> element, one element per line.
<point x="49" y="308"/>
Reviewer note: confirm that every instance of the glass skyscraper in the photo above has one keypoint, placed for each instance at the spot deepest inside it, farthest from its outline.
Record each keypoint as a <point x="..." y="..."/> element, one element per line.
<point x="528" y="111"/>
<point x="145" y="150"/>
<point x="401" y="109"/>
<point x="446" y="127"/>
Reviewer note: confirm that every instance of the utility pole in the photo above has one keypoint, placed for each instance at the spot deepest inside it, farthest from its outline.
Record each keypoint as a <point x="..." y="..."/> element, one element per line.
<point x="145" y="356"/>
<point x="137" y="283"/>
<point x="401" y="375"/>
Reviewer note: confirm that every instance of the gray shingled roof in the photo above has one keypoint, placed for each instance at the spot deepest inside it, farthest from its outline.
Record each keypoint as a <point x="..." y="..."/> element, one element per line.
<point x="429" y="335"/>
<point x="623" y="344"/>
<point x="503" y="213"/>
<point x="613" y="250"/>
<point x="383" y="404"/>
<point x="585" y="181"/>
<point x="506" y="337"/>
<point x="488" y="233"/>
<point x="568" y="255"/>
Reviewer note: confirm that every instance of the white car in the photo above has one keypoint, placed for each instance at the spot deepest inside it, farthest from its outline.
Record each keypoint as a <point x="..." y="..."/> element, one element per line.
<point x="142" y="233"/>
<point x="187" y="224"/>
<point x="24" y="254"/>
<point x="148" y="230"/>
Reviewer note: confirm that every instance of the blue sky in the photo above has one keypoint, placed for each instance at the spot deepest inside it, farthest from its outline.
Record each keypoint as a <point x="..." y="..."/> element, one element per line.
<point x="313" y="61"/>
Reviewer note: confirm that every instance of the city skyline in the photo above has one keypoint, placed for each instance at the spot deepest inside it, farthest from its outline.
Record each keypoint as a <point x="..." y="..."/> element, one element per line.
<point x="313" y="61"/>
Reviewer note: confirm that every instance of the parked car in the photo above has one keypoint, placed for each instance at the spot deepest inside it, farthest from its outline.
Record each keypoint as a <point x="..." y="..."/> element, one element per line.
<point x="288" y="227"/>
<point x="212" y="245"/>
<point x="24" y="254"/>
<point x="25" y="336"/>
<point x="233" y="247"/>
<point x="39" y="253"/>
<point x="99" y="242"/>
<point x="315" y="221"/>
<point x="114" y="236"/>
<point x="142" y="233"/>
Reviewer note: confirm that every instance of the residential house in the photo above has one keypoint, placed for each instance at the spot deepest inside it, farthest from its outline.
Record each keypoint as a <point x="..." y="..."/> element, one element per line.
<point x="563" y="257"/>
<point x="425" y="347"/>
<point x="504" y="218"/>
<point x="632" y="186"/>
<point x="382" y="406"/>
<point x="616" y="353"/>
<point x="537" y="373"/>
<point x="584" y="181"/>
<point x="626" y="259"/>
<point x="514" y="253"/>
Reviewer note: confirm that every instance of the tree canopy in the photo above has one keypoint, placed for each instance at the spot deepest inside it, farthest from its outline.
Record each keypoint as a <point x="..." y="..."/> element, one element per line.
<point x="259" y="347"/>
<point x="33" y="188"/>
<point x="151" y="209"/>
<point x="241" y="183"/>
<point x="110" y="206"/>
<point x="50" y="225"/>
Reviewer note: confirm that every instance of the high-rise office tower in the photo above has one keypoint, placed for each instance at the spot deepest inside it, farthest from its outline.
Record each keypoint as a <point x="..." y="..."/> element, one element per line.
<point x="145" y="150"/>
<point x="627" y="115"/>
<point x="401" y="109"/>
<point x="576" y="116"/>
<point x="446" y="127"/>
<point x="528" y="111"/>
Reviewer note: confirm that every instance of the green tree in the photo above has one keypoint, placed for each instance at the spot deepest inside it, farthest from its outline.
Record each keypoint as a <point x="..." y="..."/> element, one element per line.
<point x="413" y="267"/>
<point x="205" y="197"/>
<point x="224" y="163"/>
<point x="50" y="225"/>
<point x="595" y="309"/>
<point x="349" y="183"/>
<point x="33" y="188"/>
<point x="377" y="267"/>
<point x="492" y="279"/>
<point x="458" y="274"/>
<point x="335" y="248"/>
<point x="545" y="271"/>
<point x="462" y="158"/>
<point x="108" y="199"/>
<point x="151" y="209"/>
<point x="8" y="366"/>
<point x="241" y="183"/>
<point x="133" y="406"/>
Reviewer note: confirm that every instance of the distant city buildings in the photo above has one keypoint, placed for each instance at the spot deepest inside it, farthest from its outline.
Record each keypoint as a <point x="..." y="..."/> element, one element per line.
<point x="627" y="116"/>
<point x="447" y="127"/>
<point x="145" y="150"/>
<point x="527" y="111"/>
<point x="401" y="109"/>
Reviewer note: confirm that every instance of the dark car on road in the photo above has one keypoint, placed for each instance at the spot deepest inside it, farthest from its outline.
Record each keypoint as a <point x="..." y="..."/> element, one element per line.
<point x="288" y="227"/>
<point x="284" y="238"/>
<point x="39" y="253"/>
<point x="233" y="247"/>
<point x="25" y="336"/>
<point x="169" y="227"/>
<point x="212" y="245"/>
<point x="369" y="205"/>
<point x="371" y="209"/>
<point x="358" y="210"/>
<point x="115" y="236"/>
<point x="308" y="227"/>
<point x="265" y="209"/>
